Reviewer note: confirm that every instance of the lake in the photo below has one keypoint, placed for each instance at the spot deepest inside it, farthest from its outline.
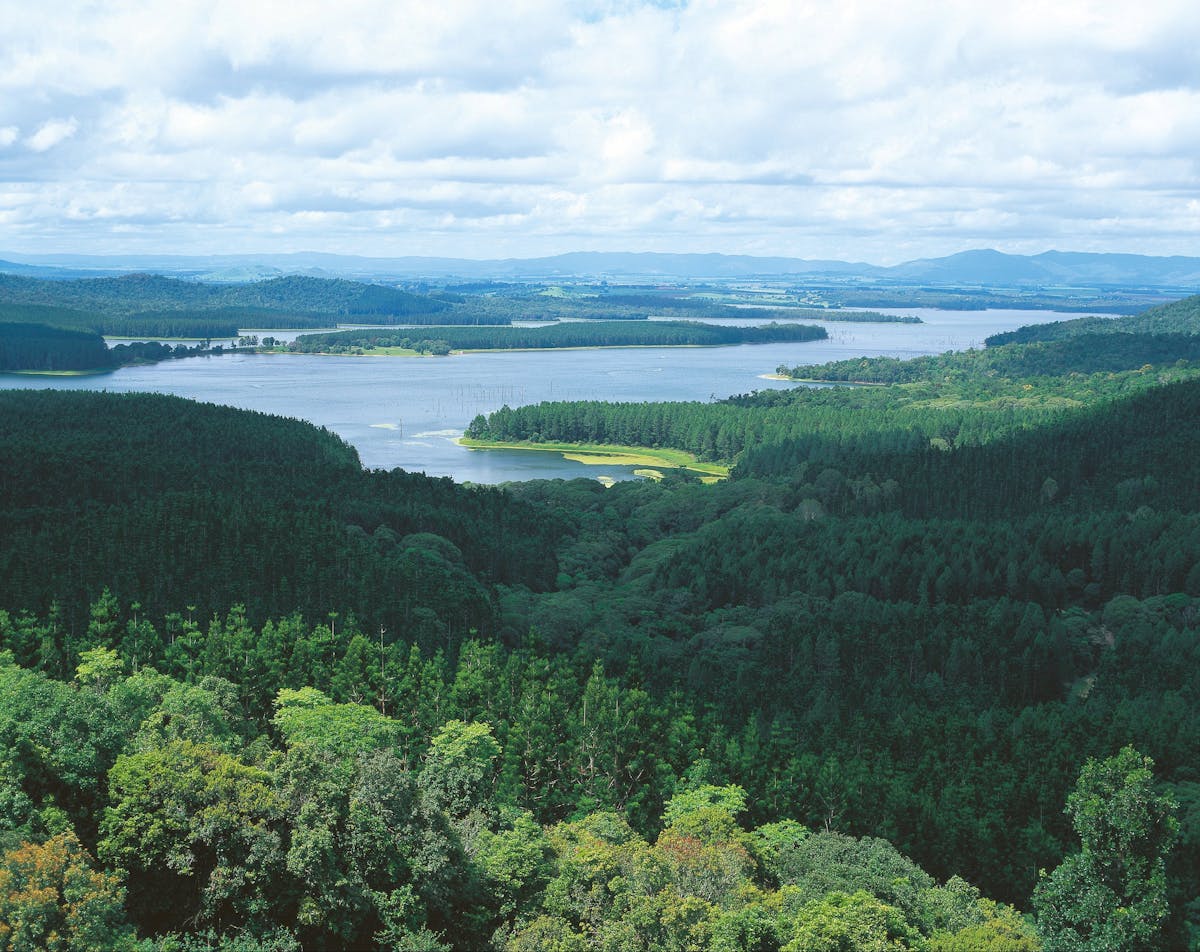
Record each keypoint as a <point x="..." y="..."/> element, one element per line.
<point x="406" y="412"/>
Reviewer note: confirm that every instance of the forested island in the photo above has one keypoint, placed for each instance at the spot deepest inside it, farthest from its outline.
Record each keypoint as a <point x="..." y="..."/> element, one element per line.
<point x="573" y="334"/>
<point x="930" y="638"/>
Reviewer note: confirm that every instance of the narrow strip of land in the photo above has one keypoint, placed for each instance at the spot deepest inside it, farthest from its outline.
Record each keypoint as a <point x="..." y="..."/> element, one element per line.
<point x="601" y="454"/>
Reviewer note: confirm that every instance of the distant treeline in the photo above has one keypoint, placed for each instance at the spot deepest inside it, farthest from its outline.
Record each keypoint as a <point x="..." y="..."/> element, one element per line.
<point x="980" y="299"/>
<point x="360" y="342"/>
<point x="134" y="293"/>
<point x="143" y="305"/>
<point x="854" y="317"/>
<point x="38" y="348"/>
<point x="524" y="303"/>
<point x="701" y="308"/>
<point x="590" y="334"/>
<point x="1085" y="353"/>
<point x="200" y="325"/>
<point x="1177" y="317"/>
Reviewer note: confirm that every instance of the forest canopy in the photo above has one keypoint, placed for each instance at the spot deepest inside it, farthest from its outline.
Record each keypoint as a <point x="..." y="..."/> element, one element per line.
<point x="922" y="673"/>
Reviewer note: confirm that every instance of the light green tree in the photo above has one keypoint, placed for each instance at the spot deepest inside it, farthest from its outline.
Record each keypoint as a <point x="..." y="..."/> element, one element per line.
<point x="99" y="668"/>
<point x="198" y="832"/>
<point x="458" y="766"/>
<point x="1112" y="895"/>
<point x="841" y="922"/>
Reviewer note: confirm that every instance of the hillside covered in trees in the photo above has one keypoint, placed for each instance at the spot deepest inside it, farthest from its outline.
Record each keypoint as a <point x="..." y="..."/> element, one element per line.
<point x="135" y="293"/>
<point x="145" y="305"/>
<point x="257" y="696"/>
<point x="44" y="349"/>
<point x="1174" y="317"/>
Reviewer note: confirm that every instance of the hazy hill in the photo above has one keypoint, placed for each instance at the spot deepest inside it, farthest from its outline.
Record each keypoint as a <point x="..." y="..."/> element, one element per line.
<point x="992" y="268"/>
<point x="54" y="273"/>
<point x="142" y="292"/>
<point x="976" y="267"/>
<point x="984" y="266"/>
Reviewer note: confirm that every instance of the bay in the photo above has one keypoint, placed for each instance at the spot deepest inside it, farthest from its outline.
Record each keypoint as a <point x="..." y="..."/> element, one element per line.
<point x="407" y="412"/>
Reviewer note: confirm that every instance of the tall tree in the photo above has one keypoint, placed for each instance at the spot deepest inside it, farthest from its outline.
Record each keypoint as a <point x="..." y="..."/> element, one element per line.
<point x="1112" y="895"/>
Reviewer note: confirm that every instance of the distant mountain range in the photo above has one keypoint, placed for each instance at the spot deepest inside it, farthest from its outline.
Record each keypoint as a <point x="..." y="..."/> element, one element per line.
<point x="1051" y="268"/>
<point x="985" y="268"/>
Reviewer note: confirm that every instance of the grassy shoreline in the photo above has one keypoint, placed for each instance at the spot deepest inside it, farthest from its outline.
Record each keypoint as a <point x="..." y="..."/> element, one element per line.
<point x="600" y="454"/>
<point x="528" y="350"/>
<point x="93" y="372"/>
<point x="839" y="383"/>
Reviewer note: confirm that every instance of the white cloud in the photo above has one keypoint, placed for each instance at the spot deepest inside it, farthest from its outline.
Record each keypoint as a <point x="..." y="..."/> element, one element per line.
<point x="869" y="129"/>
<point x="51" y="133"/>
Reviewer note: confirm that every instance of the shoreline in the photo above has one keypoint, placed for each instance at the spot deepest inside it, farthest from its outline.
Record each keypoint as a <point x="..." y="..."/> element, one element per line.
<point x="832" y="383"/>
<point x="593" y="454"/>
<point x="93" y="372"/>
<point x="534" y="350"/>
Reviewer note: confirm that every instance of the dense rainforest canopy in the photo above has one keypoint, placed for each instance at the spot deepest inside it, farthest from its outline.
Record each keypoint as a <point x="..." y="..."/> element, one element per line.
<point x="256" y="695"/>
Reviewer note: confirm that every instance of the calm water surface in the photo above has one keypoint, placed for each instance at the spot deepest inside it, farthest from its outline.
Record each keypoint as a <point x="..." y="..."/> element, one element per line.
<point x="406" y="412"/>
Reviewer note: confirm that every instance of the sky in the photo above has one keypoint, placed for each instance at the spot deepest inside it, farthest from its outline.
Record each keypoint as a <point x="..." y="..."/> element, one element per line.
<point x="865" y="131"/>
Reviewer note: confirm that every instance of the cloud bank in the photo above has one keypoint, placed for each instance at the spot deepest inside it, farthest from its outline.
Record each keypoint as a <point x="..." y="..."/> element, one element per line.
<point x="874" y="131"/>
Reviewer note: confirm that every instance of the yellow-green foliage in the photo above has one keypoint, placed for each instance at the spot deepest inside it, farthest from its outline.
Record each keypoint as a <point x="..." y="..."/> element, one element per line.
<point x="52" y="899"/>
<point x="706" y="883"/>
